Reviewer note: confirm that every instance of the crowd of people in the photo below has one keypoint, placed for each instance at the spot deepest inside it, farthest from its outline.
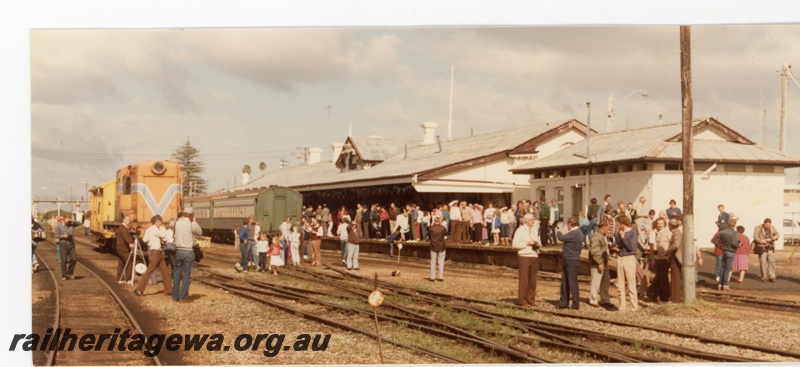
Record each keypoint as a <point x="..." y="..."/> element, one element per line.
<point x="646" y="246"/>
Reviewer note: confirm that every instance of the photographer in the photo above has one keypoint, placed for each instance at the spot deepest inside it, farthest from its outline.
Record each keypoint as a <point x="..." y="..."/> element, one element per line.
<point x="527" y="246"/>
<point x="765" y="237"/>
<point x="63" y="233"/>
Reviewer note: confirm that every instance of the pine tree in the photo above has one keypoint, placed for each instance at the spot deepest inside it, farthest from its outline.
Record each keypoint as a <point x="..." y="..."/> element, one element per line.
<point x="187" y="157"/>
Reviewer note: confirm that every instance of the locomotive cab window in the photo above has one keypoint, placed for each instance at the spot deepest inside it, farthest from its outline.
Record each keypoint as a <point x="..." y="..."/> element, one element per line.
<point x="126" y="185"/>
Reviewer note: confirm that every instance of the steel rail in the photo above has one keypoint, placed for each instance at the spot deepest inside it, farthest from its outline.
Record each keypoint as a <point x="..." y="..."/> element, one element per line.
<point x="417" y="321"/>
<point x="768" y="302"/>
<point x="322" y="320"/>
<point x="553" y="327"/>
<point x="581" y="348"/>
<point x="415" y="292"/>
<point x="120" y="303"/>
<point x="51" y="355"/>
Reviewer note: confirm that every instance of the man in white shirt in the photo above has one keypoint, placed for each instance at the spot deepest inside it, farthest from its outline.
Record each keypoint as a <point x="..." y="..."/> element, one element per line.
<point x="455" y="221"/>
<point x="153" y="237"/>
<point x="527" y="247"/>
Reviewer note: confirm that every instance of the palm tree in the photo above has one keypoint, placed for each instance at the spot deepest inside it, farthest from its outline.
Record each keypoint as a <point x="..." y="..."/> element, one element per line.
<point x="262" y="166"/>
<point x="246" y="169"/>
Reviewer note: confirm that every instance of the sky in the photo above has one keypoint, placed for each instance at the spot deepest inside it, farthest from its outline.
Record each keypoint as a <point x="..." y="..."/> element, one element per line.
<point x="90" y="86"/>
<point x="104" y="98"/>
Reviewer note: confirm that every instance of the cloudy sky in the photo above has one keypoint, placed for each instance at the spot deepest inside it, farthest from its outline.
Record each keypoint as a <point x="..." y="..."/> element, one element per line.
<point x="101" y="99"/>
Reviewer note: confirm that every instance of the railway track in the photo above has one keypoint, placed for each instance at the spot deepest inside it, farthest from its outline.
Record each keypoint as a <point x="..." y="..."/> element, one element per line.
<point x="498" y="328"/>
<point x="552" y="330"/>
<point x="750" y="301"/>
<point x="87" y="305"/>
<point x="525" y="333"/>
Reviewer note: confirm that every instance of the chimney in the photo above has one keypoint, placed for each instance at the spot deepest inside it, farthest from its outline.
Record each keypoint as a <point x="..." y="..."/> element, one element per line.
<point x="245" y="178"/>
<point x="336" y="150"/>
<point x="429" y="135"/>
<point x="313" y="155"/>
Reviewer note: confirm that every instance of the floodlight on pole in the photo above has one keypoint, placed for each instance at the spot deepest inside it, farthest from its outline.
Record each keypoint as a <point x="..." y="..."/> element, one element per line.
<point x="611" y="105"/>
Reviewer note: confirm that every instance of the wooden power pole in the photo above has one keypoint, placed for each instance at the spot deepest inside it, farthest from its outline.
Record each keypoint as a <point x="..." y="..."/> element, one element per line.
<point x="687" y="271"/>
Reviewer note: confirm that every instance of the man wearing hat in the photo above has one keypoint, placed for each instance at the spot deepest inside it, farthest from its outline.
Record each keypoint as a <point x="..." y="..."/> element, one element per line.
<point x="185" y="230"/>
<point x="438" y="236"/>
<point x="124" y="248"/>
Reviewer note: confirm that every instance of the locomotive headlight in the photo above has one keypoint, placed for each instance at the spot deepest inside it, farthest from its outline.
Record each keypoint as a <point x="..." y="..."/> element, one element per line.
<point x="158" y="168"/>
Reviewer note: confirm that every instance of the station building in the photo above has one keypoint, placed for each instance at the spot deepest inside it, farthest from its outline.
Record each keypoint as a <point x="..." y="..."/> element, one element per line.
<point x="748" y="179"/>
<point x="427" y="171"/>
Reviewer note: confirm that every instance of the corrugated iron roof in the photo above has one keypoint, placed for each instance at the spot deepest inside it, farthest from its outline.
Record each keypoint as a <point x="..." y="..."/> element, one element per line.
<point x="652" y="143"/>
<point x="379" y="149"/>
<point x="726" y="151"/>
<point x="420" y="159"/>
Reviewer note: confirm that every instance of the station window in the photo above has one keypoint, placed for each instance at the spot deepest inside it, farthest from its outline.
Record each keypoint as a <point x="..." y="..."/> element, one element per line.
<point x="673" y="166"/>
<point x="763" y="169"/>
<point x="735" y="168"/>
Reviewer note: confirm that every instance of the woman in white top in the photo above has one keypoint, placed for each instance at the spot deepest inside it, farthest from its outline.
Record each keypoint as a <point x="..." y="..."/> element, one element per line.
<point x="294" y="245"/>
<point x="425" y="222"/>
<point x="402" y="222"/>
<point x="342" y="231"/>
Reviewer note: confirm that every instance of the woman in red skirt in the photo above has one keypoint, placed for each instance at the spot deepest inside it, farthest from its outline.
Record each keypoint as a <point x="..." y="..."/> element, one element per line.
<point x="741" y="259"/>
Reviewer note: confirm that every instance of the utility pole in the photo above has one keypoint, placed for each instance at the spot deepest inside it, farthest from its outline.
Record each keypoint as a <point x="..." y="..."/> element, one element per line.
<point x="608" y="112"/>
<point x="330" y="137"/>
<point x="785" y="95"/>
<point x="687" y="271"/>
<point x="86" y="184"/>
<point x="450" y="118"/>
<point x="588" y="156"/>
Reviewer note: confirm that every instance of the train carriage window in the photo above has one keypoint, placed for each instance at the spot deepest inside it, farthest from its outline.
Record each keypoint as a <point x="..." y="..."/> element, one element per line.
<point x="126" y="185"/>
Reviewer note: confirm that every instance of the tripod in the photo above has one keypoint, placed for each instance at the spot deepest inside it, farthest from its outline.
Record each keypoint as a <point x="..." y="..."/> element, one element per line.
<point x="137" y="251"/>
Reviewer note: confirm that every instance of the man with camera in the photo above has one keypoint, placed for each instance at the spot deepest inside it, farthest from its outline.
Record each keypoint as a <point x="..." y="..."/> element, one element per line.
<point x="64" y="232"/>
<point x="527" y="246"/>
<point x="765" y="237"/>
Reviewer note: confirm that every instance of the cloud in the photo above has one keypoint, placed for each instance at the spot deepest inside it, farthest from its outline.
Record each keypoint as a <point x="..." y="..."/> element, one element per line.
<point x="72" y="66"/>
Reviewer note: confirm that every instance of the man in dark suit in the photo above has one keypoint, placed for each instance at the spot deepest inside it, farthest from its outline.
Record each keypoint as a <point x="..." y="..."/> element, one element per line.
<point x="124" y="247"/>
<point x="573" y="242"/>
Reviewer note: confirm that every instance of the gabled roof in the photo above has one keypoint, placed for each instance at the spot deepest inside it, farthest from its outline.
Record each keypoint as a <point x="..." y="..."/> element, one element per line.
<point x="421" y="159"/>
<point x="663" y="143"/>
<point x="378" y="149"/>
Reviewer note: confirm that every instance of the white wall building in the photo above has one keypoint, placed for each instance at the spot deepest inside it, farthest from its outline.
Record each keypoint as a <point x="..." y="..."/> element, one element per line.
<point x="477" y="167"/>
<point x="729" y="169"/>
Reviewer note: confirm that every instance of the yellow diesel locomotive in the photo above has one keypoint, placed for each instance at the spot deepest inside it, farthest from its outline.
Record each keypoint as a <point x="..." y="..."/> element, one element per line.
<point x="141" y="191"/>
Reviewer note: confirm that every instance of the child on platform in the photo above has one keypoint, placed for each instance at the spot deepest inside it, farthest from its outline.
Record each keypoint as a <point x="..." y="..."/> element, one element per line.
<point x="275" y="259"/>
<point x="263" y="247"/>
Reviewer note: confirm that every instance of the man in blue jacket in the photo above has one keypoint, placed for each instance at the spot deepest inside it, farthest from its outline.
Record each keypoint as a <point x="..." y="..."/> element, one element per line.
<point x="728" y="241"/>
<point x="573" y="242"/>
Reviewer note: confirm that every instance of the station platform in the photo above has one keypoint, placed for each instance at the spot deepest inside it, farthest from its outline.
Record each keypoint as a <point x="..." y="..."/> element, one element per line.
<point x="500" y="255"/>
